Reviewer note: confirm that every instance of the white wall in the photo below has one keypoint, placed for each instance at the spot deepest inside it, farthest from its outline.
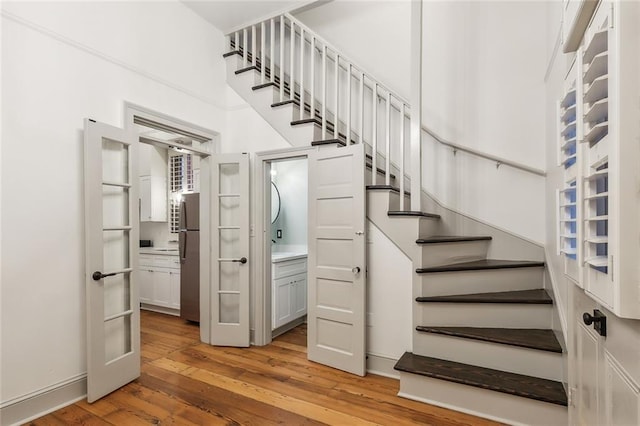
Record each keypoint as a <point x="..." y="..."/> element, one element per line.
<point x="483" y="88"/>
<point x="389" y="297"/>
<point x="63" y="62"/>
<point x="291" y="179"/>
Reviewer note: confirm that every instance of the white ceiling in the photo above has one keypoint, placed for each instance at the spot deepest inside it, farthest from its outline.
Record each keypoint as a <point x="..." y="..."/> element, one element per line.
<point x="227" y="15"/>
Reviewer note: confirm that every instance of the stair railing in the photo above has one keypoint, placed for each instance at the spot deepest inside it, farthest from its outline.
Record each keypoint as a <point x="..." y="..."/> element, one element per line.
<point x="290" y="55"/>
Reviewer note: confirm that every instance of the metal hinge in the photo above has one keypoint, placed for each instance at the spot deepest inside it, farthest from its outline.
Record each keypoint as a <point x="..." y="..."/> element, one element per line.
<point x="611" y="261"/>
<point x="611" y="15"/>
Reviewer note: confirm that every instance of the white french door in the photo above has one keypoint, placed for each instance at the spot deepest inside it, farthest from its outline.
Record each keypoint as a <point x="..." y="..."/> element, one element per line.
<point x="337" y="258"/>
<point x="111" y="238"/>
<point x="230" y="250"/>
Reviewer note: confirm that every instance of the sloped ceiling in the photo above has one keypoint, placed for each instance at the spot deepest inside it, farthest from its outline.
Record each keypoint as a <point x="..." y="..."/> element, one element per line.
<point x="227" y="15"/>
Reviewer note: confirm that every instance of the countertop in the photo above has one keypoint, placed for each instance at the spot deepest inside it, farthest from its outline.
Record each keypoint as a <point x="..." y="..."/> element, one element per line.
<point x="284" y="256"/>
<point x="165" y="251"/>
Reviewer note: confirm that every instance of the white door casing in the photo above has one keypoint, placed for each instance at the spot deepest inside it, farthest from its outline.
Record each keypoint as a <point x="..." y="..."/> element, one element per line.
<point x="111" y="262"/>
<point x="337" y="258"/>
<point x="230" y="250"/>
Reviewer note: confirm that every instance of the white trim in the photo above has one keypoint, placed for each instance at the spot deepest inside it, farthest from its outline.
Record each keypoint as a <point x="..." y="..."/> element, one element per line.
<point x="554" y="54"/>
<point x="261" y="273"/>
<point x="43" y="401"/>
<point x="300" y="6"/>
<point x="91" y="51"/>
<point x="554" y="286"/>
<point x="382" y="366"/>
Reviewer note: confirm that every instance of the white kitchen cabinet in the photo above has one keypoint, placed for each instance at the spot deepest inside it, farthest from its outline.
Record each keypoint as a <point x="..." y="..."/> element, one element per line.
<point x="575" y="18"/>
<point x="153" y="199"/>
<point x="289" y="290"/>
<point x="153" y="183"/>
<point x="160" y="283"/>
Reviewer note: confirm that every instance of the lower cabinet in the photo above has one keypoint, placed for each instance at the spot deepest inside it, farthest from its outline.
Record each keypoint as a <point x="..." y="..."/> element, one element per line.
<point x="160" y="283"/>
<point x="289" y="291"/>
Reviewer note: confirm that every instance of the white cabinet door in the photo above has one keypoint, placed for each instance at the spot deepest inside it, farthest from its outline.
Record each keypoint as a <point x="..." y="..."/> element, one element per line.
<point x="282" y="312"/>
<point x="299" y="296"/>
<point x="146" y="284"/>
<point x="145" y="199"/>
<point x="174" y="283"/>
<point x="162" y="288"/>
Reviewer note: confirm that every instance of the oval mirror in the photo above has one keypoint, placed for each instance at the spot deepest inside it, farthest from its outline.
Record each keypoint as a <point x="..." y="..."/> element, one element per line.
<point x="275" y="202"/>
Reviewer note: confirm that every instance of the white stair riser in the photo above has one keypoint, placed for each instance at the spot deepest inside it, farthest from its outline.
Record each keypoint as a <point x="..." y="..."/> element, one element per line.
<point x="514" y="359"/>
<point x="493" y="405"/>
<point x="447" y="253"/>
<point x="481" y="281"/>
<point x="503" y="315"/>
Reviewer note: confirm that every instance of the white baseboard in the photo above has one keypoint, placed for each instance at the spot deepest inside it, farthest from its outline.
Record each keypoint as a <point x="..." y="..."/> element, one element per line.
<point x="37" y="404"/>
<point x="382" y="366"/>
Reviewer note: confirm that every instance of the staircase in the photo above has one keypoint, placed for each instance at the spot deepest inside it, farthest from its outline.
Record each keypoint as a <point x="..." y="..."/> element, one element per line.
<point x="482" y="338"/>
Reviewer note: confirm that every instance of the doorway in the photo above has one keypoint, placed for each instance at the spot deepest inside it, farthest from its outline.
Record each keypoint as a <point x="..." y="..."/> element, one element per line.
<point x="280" y="185"/>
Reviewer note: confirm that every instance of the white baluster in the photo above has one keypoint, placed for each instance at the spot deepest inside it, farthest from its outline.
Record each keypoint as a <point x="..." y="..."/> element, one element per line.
<point x="324" y="91"/>
<point x="292" y="61"/>
<point x="336" y="116"/>
<point x="301" y="85"/>
<point x="402" y="112"/>
<point x="374" y="134"/>
<point x="272" y="42"/>
<point x="263" y="62"/>
<point x="350" y="68"/>
<point x="253" y="45"/>
<point x="245" y="42"/>
<point x="387" y="177"/>
<point x="312" y="77"/>
<point x="361" y="107"/>
<point x="282" y="39"/>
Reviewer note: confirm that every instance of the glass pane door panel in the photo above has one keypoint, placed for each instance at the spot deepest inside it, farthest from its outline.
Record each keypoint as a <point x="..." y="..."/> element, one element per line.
<point x="117" y="337"/>
<point x="115" y="255"/>
<point x="229" y="308"/>
<point x="117" y="294"/>
<point x="115" y="161"/>
<point x="115" y="206"/>
<point x="229" y="276"/>
<point x="229" y="242"/>
<point x="229" y="211"/>
<point x="229" y="178"/>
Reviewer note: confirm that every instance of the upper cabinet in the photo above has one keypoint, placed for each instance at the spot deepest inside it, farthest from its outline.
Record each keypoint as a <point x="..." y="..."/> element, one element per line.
<point x="153" y="183"/>
<point x="575" y="19"/>
<point x="601" y="195"/>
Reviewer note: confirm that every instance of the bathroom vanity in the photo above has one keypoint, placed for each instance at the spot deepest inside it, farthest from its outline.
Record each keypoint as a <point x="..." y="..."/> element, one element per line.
<point x="288" y="287"/>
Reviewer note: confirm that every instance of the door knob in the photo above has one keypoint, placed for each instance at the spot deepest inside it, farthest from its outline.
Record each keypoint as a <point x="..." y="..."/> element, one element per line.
<point x="356" y="270"/>
<point x="598" y="319"/>
<point x="97" y="275"/>
<point x="242" y="260"/>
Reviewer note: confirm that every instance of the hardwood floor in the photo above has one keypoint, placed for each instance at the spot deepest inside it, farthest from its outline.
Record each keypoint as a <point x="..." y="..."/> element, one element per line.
<point x="184" y="382"/>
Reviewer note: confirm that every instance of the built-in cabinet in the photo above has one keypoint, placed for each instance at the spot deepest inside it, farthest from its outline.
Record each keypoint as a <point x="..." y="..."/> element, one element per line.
<point x="598" y="210"/>
<point x="160" y="283"/>
<point x="598" y="207"/>
<point x="153" y="183"/>
<point x="289" y="289"/>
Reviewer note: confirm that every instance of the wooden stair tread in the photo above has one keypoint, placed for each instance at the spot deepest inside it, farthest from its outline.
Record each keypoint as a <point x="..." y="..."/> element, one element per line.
<point x="450" y="239"/>
<point x="388" y="188"/>
<point x="409" y="213"/>
<point x="481" y="265"/>
<point x="532" y="338"/>
<point x="245" y="69"/>
<point x="485" y="378"/>
<point x="533" y="297"/>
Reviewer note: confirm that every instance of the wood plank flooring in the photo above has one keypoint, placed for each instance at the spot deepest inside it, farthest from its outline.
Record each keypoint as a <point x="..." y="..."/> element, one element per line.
<point x="185" y="382"/>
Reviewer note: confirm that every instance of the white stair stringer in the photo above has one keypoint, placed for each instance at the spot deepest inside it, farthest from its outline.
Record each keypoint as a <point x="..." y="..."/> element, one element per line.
<point x="514" y="359"/>
<point x="494" y="405"/>
<point x="280" y="117"/>
<point x="403" y="231"/>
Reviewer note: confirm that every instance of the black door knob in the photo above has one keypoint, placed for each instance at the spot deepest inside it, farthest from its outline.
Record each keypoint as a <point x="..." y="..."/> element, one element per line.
<point x="587" y="318"/>
<point x="598" y="319"/>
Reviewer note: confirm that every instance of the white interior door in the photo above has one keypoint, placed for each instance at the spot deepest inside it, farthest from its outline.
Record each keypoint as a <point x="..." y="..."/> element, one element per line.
<point x="111" y="237"/>
<point x="230" y="250"/>
<point x="336" y="262"/>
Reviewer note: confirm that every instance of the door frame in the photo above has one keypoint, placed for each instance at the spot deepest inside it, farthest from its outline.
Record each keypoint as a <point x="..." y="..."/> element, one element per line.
<point x="210" y="140"/>
<point x="261" y="247"/>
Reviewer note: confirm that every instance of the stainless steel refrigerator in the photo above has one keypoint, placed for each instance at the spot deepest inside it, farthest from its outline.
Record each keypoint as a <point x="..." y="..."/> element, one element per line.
<point x="189" y="239"/>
